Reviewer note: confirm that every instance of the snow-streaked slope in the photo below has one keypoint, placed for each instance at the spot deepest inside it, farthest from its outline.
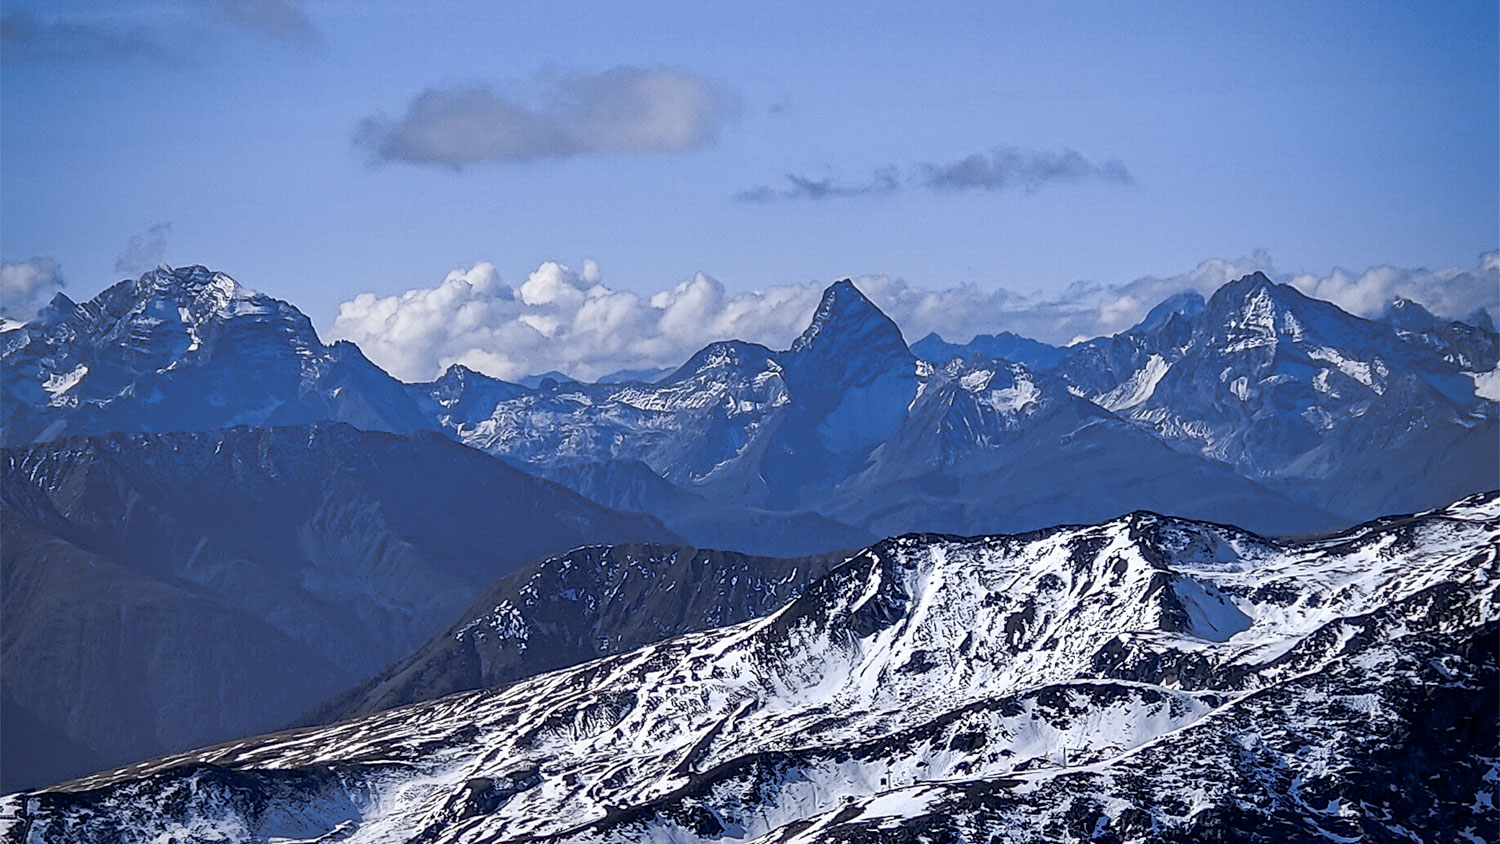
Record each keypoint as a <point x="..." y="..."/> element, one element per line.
<point x="1149" y="674"/>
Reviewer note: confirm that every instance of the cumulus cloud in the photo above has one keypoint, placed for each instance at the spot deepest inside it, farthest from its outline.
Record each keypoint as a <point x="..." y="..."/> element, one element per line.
<point x="1003" y="168"/>
<point x="560" y="318"/>
<point x="25" y="38"/>
<point x="280" y="20"/>
<point x="27" y="285"/>
<point x="623" y="110"/>
<point x="1453" y="293"/>
<point x="144" y="252"/>
<point x="571" y="321"/>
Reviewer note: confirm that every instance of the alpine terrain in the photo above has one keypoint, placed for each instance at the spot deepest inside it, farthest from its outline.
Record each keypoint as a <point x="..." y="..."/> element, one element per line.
<point x="1145" y="678"/>
<point x="590" y="602"/>
<point x="164" y="591"/>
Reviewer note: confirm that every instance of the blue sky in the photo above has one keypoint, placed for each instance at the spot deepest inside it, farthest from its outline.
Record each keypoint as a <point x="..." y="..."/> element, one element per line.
<point x="1329" y="134"/>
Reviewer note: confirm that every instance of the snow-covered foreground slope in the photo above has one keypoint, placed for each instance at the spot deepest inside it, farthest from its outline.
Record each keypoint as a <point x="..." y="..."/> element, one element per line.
<point x="1142" y="679"/>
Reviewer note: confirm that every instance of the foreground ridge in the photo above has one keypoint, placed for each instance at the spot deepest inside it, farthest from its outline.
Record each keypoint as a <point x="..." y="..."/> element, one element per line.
<point x="1146" y="678"/>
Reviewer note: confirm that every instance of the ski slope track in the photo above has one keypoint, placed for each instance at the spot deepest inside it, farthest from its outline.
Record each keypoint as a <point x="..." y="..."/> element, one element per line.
<point x="1142" y="679"/>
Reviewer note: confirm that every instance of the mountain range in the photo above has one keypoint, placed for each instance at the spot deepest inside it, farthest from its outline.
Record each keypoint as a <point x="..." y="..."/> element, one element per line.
<point x="1259" y="406"/>
<point x="1146" y="678"/>
<point x="217" y="525"/>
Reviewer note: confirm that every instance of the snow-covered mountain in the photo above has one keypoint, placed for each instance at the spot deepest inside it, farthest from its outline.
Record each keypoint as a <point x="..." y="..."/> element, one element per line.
<point x="591" y="602"/>
<point x="849" y="425"/>
<point x="186" y="349"/>
<point x="1146" y="678"/>
<point x="1259" y="407"/>
<point x="989" y="445"/>
<point x="162" y="591"/>
<point x="1350" y="415"/>
<point x="1472" y="347"/>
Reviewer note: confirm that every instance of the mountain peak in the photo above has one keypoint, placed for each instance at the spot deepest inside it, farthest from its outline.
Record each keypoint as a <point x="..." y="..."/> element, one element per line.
<point x="194" y="278"/>
<point x="1186" y="304"/>
<point x="203" y="292"/>
<point x="1256" y="293"/>
<point x="1405" y="313"/>
<point x="845" y="313"/>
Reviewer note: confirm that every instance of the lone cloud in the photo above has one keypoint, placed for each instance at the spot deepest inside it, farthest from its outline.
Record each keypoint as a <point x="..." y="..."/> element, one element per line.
<point x="623" y="110"/>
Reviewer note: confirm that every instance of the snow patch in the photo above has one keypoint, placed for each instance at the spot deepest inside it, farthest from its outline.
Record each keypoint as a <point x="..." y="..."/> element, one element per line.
<point x="57" y="384"/>
<point x="1487" y="384"/>
<point x="1138" y="387"/>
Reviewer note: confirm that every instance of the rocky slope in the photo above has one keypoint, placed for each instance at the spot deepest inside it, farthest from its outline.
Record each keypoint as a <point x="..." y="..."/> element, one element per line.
<point x="588" y="603"/>
<point x="1146" y="678"/>
<point x="166" y="590"/>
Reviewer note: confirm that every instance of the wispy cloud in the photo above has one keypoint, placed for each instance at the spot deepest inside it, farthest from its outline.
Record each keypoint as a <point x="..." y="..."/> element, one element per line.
<point x="147" y="34"/>
<point x="1007" y="168"/>
<point x="27" y="285"/>
<point x="278" y="20"/>
<point x="144" y="252"/>
<point x="1003" y="168"/>
<point x="623" y="110"/>
<point x="881" y="182"/>
<point x="570" y="320"/>
<point x="23" y="37"/>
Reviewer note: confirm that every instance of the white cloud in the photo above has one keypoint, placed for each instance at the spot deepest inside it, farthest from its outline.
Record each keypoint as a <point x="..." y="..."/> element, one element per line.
<point x="27" y="285"/>
<point x="571" y="321"/>
<point x="562" y="319"/>
<point x="1453" y="293"/>
<point x="622" y="110"/>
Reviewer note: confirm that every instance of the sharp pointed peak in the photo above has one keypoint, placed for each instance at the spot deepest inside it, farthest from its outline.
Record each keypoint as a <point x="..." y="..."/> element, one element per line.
<point x="843" y="293"/>
<point x="844" y="310"/>
<point x="457" y="372"/>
